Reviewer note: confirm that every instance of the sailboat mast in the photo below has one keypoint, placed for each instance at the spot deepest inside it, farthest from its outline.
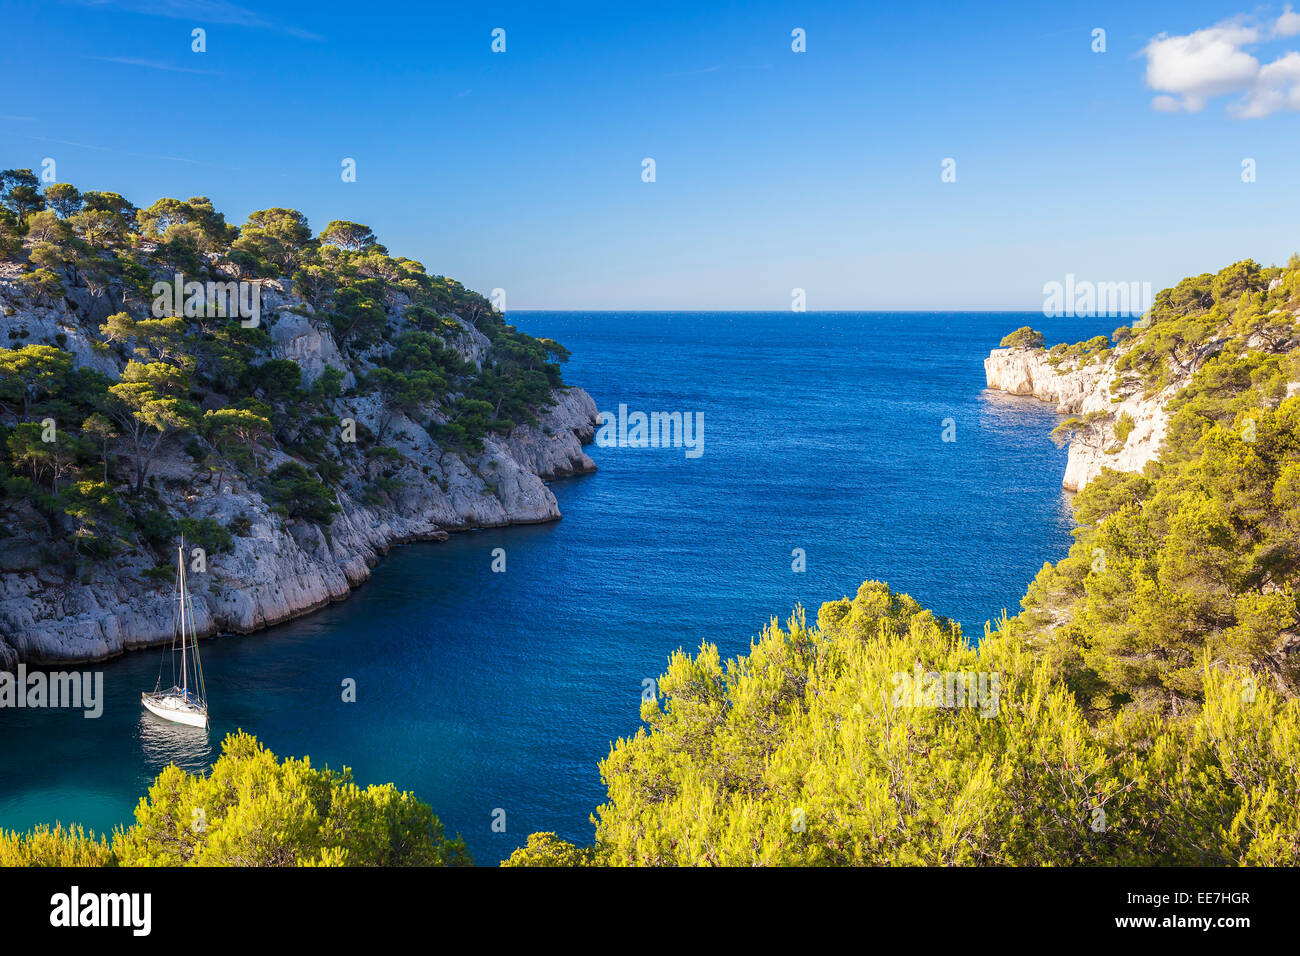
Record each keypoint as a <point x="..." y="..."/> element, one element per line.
<point x="180" y="564"/>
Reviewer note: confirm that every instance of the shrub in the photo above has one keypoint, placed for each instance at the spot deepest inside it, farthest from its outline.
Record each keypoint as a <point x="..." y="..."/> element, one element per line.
<point x="1124" y="427"/>
<point x="253" y="809"/>
<point x="546" y="849"/>
<point x="294" y="492"/>
<point x="1023" y="338"/>
<point x="54" y="846"/>
<point x="156" y="527"/>
<point x="815" y="749"/>
<point x="206" y="534"/>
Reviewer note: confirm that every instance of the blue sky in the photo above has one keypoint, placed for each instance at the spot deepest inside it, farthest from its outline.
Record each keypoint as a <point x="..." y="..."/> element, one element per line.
<point x="775" y="170"/>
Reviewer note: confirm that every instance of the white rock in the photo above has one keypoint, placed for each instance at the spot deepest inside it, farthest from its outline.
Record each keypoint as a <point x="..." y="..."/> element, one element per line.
<point x="1080" y="390"/>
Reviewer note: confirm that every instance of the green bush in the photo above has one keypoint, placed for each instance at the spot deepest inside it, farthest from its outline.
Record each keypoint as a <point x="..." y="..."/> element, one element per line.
<point x="815" y="750"/>
<point x="54" y="846"/>
<point x="1023" y="338"/>
<point x="206" y="533"/>
<point x="252" y="809"/>
<point x="157" y="527"/>
<point x="1124" y="427"/>
<point x="294" y="492"/>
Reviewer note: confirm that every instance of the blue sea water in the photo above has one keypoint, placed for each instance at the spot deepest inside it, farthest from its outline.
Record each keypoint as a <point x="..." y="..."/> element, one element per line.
<point x="485" y="692"/>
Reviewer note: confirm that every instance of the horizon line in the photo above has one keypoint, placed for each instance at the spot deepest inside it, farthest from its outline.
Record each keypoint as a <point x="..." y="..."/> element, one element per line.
<point x="845" y="311"/>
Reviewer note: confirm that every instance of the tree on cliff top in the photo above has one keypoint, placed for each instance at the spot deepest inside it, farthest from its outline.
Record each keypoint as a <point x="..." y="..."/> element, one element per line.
<point x="20" y="192"/>
<point x="194" y="221"/>
<point x="351" y="236"/>
<point x="64" y="198"/>
<point x="272" y="241"/>
<point x="1023" y="338"/>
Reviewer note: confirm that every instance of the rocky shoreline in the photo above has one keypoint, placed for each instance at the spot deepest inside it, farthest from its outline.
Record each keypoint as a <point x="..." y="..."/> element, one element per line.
<point x="1077" y="387"/>
<point x="279" y="571"/>
<point x="277" y="568"/>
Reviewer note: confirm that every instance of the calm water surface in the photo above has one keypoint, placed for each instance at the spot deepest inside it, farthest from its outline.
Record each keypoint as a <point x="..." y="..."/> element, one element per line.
<point x="481" y="691"/>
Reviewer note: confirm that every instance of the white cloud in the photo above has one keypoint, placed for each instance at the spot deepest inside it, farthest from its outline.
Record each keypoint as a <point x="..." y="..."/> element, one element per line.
<point x="1203" y="64"/>
<point x="1277" y="88"/>
<point x="1190" y="70"/>
<point x="1288" y="24"/>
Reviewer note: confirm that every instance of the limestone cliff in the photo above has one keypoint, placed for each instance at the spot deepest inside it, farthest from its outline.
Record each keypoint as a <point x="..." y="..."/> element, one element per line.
<point x="277" y="568"/>
<point x="1080" y="388"/>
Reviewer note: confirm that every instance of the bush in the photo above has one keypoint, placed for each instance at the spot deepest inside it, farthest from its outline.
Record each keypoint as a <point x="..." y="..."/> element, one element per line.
<point x="817" y="749"/>
<point x="546" y="849"/>
<point x="1124" y="427"/>
<point x="253" y="809"/>
<point x="158" y="528"/>
<point x="160" y="573"/>
<point x="206" y="534"/>
<point x="1023" y="338"/>
<point x="294" y="492"/>
<point x="54" y="846"/>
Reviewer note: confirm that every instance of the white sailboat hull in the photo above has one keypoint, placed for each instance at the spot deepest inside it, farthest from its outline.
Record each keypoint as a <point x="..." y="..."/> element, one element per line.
<point x="170" y="707"/>
<point x="178" y="704"/>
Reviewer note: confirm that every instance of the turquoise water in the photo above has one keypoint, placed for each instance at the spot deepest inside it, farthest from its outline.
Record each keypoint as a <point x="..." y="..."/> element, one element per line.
<point x="485" y="692"/>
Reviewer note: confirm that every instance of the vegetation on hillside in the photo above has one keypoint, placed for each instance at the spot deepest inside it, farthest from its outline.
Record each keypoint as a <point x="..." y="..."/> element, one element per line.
<point x="803" y="752"/>
<point x="1080" y="354"/>
<point x="79" y="448"/>
<point x="1199" y="554"/>
<point x="1142" y="708"/>
<point x="1147" y="704"/>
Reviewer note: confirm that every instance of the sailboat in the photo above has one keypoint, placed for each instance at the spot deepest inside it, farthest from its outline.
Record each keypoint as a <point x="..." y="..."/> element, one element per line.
<point x="185" y="703"/>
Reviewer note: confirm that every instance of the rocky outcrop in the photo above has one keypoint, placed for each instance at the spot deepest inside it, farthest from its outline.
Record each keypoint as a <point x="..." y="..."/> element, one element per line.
<point x="1079" y="388"/>
<point x="280" y="569"/>
<point x="277" y="568"/>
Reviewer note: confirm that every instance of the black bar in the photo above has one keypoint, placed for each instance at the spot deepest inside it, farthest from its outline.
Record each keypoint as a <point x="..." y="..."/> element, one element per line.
<point x="301" y="905"/>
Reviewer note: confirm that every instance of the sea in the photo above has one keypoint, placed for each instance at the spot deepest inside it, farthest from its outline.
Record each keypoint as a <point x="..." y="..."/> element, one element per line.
<point x="836" y="447"/>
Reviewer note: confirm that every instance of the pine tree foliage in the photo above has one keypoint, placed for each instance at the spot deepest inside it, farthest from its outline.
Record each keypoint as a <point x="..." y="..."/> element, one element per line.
<point x="253" y="809"/>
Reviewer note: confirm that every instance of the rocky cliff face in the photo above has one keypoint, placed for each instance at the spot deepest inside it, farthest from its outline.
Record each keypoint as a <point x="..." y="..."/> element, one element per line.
<point x="278" y="568"/>
<point x="1083" y="389"/>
